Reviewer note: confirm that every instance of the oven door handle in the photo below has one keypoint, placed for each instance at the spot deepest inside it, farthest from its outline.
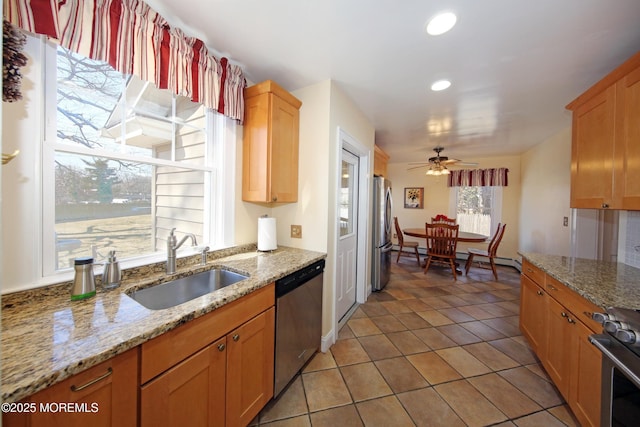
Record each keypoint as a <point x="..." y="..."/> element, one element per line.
<point x="606" y="346"/>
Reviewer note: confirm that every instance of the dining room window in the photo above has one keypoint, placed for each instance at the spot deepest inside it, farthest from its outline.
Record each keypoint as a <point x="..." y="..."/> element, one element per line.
<point x="477" y="209"/>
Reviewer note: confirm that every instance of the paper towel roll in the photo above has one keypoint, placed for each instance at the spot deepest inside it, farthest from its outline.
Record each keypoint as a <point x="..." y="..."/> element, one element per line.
<point x="267" y="234"/>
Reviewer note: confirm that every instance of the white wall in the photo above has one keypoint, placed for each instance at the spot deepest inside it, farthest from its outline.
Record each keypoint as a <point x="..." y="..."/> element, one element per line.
<point x="437" y="195"/>
<point x="546" y="183"/>
<point x="21" y="121"/>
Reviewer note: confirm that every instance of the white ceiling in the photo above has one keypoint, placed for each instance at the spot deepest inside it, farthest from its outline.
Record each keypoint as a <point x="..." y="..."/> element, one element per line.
<point x="514" y="64"/>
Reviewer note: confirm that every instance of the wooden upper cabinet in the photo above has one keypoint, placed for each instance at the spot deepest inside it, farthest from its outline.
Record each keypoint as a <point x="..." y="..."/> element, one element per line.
<point x="380" y="160"/>
<point x="270" y="144"/>
<point x="626" y="191"/>
<point x="605" y="150"/>
<point x="592" y="152"/>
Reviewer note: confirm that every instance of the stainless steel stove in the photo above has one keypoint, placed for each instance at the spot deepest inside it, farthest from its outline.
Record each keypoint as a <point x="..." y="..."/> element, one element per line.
<point x="620" y="347"/>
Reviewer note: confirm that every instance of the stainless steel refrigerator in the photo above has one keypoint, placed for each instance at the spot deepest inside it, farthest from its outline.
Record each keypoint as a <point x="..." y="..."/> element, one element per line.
<point x="381" y="254"/>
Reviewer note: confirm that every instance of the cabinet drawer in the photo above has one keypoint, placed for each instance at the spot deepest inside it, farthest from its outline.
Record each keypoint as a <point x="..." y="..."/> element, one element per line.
<point x="533" y="272"/>
<point x="581" y="308"/>
<point x="163" y="352"/>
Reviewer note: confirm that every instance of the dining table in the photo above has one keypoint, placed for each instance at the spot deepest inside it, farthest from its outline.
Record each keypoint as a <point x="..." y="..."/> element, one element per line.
<point x="463" y="236"/>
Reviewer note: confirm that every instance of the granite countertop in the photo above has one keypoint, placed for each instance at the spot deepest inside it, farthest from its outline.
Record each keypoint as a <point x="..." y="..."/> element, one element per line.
<point x="606" y="284"/>
<point x="47" y="338"/>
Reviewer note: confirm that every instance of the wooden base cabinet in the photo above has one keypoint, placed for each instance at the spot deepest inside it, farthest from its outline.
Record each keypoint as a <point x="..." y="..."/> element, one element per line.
<point x="250" y="365"/>
<point x="105" y="395"/>
<point x="557" y="323"/>
<point x="533" y="311"/>
<point x="189" y="394"/>
<point x="223" y="384"/>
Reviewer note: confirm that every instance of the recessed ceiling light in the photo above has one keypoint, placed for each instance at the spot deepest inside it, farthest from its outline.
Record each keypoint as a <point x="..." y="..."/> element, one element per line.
<point x="440" y="85"/>
<point x="441" y="23"/>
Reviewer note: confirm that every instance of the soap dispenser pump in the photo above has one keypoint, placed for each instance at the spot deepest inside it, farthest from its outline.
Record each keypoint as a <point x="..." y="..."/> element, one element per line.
<point x="111" y="274"/>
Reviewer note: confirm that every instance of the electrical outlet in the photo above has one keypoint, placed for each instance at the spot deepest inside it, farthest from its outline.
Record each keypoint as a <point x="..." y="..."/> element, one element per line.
<point x="296" y="231"/>
<point x="565" y="221"/>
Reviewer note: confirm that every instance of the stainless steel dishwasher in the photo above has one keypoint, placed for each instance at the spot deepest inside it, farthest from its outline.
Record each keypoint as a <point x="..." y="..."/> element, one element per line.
<point x="298" y="322"/>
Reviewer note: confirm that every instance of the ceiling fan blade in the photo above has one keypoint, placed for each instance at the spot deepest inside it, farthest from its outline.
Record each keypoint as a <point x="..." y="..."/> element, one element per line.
<point x="418" y="167"/>
<point x="450" y="161"/>
<point x="418" y="163"/>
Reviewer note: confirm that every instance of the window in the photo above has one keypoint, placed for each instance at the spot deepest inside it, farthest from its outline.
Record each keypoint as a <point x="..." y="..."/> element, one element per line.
<point x="123" y="164"/>
<point x="477" y="209"/>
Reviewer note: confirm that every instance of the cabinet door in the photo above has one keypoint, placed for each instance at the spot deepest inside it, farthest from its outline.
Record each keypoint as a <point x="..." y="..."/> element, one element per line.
<point x="191" y="393"/>
<point x="285" y="124"/>
<point x="557" y="361"/>
<point x="250" y="368"/>
<point x="105" y="394"/>
<point x="592" y="152"/>
<point x="586" y="365"/>
<point x="533" y="320"/>
<point x="627" y="148"/>
<point x="256" y="150"/>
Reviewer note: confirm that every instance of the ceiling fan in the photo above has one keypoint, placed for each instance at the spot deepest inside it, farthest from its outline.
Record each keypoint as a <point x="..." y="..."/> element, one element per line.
<point x="438" y="164"/>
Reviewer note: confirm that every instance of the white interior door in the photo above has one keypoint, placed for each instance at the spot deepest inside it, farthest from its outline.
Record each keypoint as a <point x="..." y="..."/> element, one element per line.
<point x="346" y="272"/>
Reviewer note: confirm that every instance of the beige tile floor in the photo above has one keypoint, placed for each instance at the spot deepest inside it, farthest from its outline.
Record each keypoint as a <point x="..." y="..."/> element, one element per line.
<point x="426" y="351"/>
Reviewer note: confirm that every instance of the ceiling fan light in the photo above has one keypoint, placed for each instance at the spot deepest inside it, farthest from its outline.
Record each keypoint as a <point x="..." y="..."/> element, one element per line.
<point x="430" y="172"/>
<point x="440" y="85"/>
<point x="445" y="171"/>
<point x="441" y="23"/>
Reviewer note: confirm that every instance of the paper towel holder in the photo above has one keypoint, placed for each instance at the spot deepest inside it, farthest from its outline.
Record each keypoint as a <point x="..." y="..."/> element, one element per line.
<point x="267" y="240"/>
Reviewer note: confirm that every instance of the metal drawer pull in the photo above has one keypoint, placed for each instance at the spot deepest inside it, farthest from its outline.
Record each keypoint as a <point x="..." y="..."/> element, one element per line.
<point x="552" y="288"/>
<point x="236" y="337"/>
<point x="570" y="320"/>
<point x="529" y="270"/>
<point x="92" y="382"/>
<point x="563" y="314"/>
<point x="221" y="347"/>
<point x="540" y="293"/>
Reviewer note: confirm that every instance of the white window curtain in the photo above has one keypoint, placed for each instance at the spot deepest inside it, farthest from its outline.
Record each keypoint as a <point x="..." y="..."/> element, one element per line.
<point x="134" y="39"/>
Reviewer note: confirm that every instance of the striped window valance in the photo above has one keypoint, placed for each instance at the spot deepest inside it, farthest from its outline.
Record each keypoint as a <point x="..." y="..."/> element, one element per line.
<point x="134" y="39"/>
<point x="496" y="177"/>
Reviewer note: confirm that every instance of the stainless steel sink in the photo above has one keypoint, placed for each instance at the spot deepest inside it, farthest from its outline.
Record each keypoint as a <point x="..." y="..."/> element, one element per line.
<point x="179" y="291"/>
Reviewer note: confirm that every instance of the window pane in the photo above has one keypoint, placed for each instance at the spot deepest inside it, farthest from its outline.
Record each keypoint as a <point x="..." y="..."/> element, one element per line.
<point x="101" y="204"/>
<point x="87" y="95"/>
<point x="474" y="209"/>
<point x="347" y="207"/>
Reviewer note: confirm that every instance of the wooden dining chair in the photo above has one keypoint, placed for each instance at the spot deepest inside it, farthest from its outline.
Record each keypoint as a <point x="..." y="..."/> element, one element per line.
<point x="442" y="219"/>
<point x="489" y="253"/>
<point x="442" y="241"/>
<point x="403" y="244"/>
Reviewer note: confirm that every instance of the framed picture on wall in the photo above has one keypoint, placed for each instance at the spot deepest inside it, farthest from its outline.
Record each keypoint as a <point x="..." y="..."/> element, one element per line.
<point x="414" y="198"/>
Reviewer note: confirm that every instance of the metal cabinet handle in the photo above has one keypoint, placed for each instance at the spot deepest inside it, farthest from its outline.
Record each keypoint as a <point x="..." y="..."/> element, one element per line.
<point x="274" y="199"/>
<point x="552" y="287"/>
<point x="221" y="347"/>
<point x="563" y="314"/>
<point x="92" y="382"/>
<point x="540" y="293"/>
<point x="529" y="270"/>
<point x="605" y="205"/>
<point x="570" y="320"/>
<point x="236" y="337"/>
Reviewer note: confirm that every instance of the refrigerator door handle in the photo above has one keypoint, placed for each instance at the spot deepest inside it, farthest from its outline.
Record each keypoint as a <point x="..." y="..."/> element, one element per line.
<point x="386" y="248"/>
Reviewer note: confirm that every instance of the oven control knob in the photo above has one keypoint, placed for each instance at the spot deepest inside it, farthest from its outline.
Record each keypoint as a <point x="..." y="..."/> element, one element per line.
<point x="627" y="336"/>
<point x="612" y="326"/>
<point x="601" y="317"/>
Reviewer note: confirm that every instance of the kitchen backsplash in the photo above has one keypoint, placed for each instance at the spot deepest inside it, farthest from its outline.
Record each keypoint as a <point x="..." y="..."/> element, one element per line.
<point x="632" y="246"/>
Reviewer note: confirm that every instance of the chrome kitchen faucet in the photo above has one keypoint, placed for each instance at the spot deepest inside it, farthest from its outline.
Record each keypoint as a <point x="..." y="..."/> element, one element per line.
<point x="172" y="247"/>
